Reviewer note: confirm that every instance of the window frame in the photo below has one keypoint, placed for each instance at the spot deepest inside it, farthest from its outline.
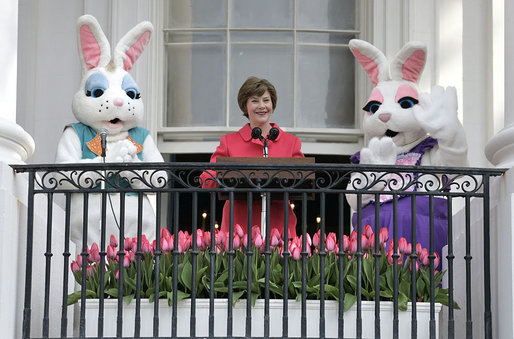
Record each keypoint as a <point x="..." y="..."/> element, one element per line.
<point x="194" y="139"/>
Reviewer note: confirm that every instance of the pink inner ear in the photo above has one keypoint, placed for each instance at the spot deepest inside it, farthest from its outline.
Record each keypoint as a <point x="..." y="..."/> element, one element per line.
<point x="90" y="47"/>
<point x="412" y="67"/>
<point x="135" y="51"/>
<point x="376" y="95"/>
<point x="369" y="65"/>
<point x="406" y="91"/>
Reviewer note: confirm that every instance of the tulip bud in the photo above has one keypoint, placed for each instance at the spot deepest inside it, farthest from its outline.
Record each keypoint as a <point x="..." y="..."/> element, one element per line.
<point x="238" y="229"/>
<point x="113" y="242"/>
<point x="75" y="267"/>
<point x="368" y="231"/>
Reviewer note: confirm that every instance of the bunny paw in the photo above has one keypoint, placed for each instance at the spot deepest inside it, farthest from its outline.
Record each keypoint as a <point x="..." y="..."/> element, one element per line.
<point x="379" y="152"/>
<point x="438" y="110"/>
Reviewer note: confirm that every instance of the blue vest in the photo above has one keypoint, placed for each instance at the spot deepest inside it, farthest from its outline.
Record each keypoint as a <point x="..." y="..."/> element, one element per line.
<point x="86" y="134"/>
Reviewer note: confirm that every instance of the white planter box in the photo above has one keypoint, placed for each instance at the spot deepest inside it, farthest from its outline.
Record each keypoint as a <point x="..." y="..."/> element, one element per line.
<point x="239" y="316"/>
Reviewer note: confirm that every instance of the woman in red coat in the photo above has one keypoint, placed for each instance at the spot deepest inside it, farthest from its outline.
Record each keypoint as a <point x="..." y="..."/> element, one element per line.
<point x="257" y="99"/>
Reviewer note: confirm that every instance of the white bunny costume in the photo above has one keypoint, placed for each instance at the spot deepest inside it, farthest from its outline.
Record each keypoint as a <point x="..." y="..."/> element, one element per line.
<point x="108" y="98"/>
<point x="405" y="127"/>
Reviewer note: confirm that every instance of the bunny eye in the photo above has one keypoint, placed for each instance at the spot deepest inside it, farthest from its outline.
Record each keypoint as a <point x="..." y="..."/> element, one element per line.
<point x="95" y="92"/>
<point x="372" y="106"/>
<point x="132" y="93"/>
<point x="407" y="102"/>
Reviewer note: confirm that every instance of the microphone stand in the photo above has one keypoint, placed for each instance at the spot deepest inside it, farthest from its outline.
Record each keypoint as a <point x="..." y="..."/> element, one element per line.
<point x="103" y="136"/>
<point x="257" y="134"/>
<point x="264" y="212"/>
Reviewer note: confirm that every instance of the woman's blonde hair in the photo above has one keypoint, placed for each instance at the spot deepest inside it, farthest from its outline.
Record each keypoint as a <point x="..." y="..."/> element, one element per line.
<point x="254" y="86"/>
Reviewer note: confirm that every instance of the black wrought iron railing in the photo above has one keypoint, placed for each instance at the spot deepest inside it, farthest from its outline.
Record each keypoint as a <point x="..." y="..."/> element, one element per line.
<point x="322" y="278"/>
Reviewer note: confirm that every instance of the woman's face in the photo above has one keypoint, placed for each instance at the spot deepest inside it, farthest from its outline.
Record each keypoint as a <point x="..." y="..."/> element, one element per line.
<point x="259" y="109"/>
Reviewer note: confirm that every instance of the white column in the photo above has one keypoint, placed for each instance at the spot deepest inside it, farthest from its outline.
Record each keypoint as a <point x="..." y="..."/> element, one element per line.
<point x="499" y="149"/>
<point x="16" y="146"/>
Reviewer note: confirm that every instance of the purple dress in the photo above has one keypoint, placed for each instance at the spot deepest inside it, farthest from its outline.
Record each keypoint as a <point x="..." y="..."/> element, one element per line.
<point x="440" y="217"/>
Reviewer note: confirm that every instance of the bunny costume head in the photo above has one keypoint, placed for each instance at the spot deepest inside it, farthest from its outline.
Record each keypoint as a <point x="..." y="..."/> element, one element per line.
<point x="108" y="96"/>
<point x="389" y="109"/>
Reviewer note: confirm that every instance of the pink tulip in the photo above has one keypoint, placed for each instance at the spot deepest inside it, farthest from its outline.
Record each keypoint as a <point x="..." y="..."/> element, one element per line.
<point x="79" y="259"/>
<point x="316" y="239"/>
<point x="237" y="242"/>
<point x="245" y="241"/>
<point x="238" y="229"/>
<point x="199" y="239"/>
<point x="408" y="249"/>
<point x="257" y="240"/>
<point x="423" y="258"/>
<point x="364" y="243"/>
<point x="296" y="254"/>
<point x="154" y="247"/>
<point x="126" y="259"/>
<point x="437" y="259"/>
<point x="206" y="239"/>
<point x="255" y="230"/>
<point x="330" y="242"/>
<point x="402" y="245"/>
<point x="145" y="245"/>
<point x="127" y="245"/>
<point x="165" y="233"/>
<point x="113" y="242"/>
<point x="383" y="235"/>
<point x="368" y="231"/>
<point x="75" y="267"/>
<point x="346" y="243"/>
<point x="94" y="254"/>
<point x="418" y="249"/>
<point x="371" y="241"/>
<point x="417" y="266"/>
<point x="353" y="246"/>
<point x="111" y="252"/>
<point x="167" y="244"/>
<point x="353" y="235"/>
<point x="117" y="275"/>
<point x="276" y="240"/>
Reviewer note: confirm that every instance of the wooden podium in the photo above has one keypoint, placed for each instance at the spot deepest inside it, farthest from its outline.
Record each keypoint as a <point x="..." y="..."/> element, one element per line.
<point x="254" y="174"/>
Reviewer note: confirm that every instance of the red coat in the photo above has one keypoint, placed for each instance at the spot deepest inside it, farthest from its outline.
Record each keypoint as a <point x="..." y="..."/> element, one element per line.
<point x="241" y="144"/>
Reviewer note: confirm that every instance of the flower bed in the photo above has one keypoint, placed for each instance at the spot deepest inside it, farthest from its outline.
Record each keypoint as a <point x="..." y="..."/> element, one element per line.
<point x="332" y="253"/>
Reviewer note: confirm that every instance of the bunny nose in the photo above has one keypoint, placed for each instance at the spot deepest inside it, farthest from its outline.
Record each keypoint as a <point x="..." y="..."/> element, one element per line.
<point x="384" y="117"/>
<point x="118" y="102"/>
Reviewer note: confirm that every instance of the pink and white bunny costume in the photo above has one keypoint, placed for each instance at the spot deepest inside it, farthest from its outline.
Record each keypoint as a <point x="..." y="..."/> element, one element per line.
<point x="405" y="127"/>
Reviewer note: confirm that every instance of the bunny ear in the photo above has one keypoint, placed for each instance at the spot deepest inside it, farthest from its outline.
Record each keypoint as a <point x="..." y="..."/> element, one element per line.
<point x="371" y="59"/>
<point x="94" y="48"/>
<point x="132" y="45"/>
<point x="408" y="64"/>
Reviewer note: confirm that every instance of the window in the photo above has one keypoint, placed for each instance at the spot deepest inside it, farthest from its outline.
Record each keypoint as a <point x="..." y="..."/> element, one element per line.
<point x="212" y="46"/>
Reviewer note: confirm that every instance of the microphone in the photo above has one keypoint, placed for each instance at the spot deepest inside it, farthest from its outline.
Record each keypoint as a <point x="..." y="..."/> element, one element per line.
<point x="103" y="136"/>
<point x="257" y="133"/>
<point x="273" y="133"/>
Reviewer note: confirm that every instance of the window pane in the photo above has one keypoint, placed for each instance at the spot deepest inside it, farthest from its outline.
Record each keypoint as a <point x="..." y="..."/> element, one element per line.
<point x="324" y="38"/>
<point x="325" y="14"/>
<point x="196" y="85"/>
<point x="271" y="62"/>
<point x="197" y="13"/>
<point x="325" y="87"/>
<point x="262" y="14"/>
